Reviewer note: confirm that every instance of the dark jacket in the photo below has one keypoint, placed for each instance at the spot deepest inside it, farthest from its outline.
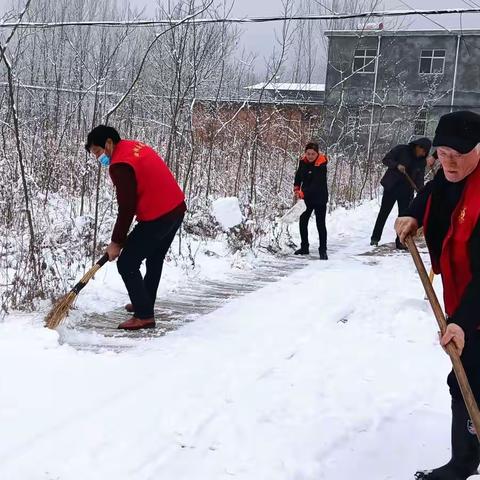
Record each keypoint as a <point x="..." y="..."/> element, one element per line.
<point x="445" y="196"/>
<point x="311" y="179"/>
<point x="415" y="167"/>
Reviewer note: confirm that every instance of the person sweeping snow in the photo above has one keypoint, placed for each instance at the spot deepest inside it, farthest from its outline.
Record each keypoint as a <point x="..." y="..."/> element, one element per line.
<point x="311" y="185"/>
<point x="448" y="208"/>
<point x="405" y="173"/>
<point x="145" y="188"/>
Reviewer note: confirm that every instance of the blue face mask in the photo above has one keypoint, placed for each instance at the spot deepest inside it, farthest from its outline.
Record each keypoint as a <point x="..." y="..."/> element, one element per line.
<point x="104" y="159"/>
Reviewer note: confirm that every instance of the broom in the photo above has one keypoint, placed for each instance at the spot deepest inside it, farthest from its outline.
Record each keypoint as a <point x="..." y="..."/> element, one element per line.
<point x="62" y="306"/>
<point x="462" y="379"/>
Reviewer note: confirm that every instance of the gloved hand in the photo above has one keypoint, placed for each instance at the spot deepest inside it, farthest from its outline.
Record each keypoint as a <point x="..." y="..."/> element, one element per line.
<point x="298" y="193"/>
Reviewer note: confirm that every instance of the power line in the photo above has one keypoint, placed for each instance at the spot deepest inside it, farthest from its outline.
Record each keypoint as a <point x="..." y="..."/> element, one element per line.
<point x="428" y="18"/>
<point x="170" y="22"/>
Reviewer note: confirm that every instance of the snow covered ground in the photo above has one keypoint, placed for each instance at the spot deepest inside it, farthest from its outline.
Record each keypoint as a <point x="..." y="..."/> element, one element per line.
<point x="332" y="373"/>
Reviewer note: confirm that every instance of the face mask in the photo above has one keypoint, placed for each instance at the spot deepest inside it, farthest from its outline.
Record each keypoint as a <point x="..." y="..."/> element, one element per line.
<point x="104" y="159"/>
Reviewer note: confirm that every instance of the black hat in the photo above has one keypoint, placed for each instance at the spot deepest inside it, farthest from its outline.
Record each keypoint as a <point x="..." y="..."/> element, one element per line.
<point x="312" y="146"/>
<point x="424" y="143"/>
<point x="458" y="130"/>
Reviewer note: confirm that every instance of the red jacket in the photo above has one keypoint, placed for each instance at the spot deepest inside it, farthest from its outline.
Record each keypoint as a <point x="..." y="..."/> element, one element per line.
<point x="454" y="263"/>
<point x="157" y="190"/>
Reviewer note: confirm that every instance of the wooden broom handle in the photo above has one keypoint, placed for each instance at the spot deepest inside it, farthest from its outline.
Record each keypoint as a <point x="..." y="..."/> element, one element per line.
<point x="462" y="379"/>
<point x="410" y="181"/>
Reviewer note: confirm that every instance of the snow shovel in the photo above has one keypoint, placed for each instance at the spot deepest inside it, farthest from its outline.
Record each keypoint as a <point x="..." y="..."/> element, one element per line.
<point x="465" y="388"/>
<point x="62" y="306"/>
<point x="293" y="214"/>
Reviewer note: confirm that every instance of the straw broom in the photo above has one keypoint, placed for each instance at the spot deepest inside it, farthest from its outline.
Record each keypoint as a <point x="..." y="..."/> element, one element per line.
<point x="62" y="306"/>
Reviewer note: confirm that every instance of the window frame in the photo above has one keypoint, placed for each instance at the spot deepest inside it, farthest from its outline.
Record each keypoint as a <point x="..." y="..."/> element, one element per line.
<point x="364" y="57"/>
<point x="432" y="57"/>
<point x="421" y="118"/>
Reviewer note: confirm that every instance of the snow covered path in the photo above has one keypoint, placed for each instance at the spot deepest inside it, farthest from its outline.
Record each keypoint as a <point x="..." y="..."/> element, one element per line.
<point x="331" y="373"/>
<point x="98" y="331"/>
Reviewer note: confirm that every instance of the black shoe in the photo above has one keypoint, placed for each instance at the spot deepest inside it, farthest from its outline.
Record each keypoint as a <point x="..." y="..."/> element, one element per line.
<point x="442" y="473"/>
<point x="323" y="254"/>
<point x="400" y="246"/>
<point x="465" y="449"/>
<point x="373" y="243"/>
<point x="302" y="251"/>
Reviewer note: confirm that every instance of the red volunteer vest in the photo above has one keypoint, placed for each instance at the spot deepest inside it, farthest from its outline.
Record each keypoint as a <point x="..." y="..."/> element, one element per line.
<point x="454" y="263"/>
<point x="157" y="190"/>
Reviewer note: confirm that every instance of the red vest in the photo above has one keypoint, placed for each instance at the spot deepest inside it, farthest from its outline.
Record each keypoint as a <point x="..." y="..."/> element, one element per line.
<point x="157" y="190"/>
<point x="454" y="263"/>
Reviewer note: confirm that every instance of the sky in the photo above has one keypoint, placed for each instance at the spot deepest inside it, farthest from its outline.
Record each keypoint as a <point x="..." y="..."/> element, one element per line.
<point x="260" y="39"/>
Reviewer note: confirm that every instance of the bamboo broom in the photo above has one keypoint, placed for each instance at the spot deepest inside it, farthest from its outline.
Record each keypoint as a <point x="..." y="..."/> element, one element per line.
<point x="62" y="306"/>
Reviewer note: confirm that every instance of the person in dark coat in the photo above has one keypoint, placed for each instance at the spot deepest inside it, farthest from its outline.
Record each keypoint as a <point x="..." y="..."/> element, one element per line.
<point x="448" y="208"/>
<point x="311" y="185"/>
<point x="402" y="160"/>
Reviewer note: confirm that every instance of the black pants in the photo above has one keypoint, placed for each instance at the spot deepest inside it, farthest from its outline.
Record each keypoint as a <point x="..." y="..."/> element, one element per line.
<point x="400" y="195"/>
<point x="471" y="362"/>
<point x="465" y="447"/>
<point x="150" y="241"/>
<point x="320" y="214"/>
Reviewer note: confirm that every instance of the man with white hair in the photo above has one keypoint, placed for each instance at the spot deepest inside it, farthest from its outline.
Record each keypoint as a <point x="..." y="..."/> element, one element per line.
<point x="448" y="208"/>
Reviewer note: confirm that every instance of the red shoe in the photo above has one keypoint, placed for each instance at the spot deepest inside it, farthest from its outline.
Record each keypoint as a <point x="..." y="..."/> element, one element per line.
<point x="129" y="308"/>
<point x="137" y="323"/>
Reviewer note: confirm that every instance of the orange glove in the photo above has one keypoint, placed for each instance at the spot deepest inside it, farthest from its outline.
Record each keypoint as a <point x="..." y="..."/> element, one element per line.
<point x="298" y="192"/>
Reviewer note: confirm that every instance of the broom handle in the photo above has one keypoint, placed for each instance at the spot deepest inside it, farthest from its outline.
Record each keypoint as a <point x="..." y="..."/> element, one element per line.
<point x="85" y="279"/>
<point x="410" y="181"/>
<point x="462" y="379"/>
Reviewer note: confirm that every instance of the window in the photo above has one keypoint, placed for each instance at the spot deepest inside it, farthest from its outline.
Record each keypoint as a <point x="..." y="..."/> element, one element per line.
<point x="364" y="61"/>
<point x="432" y="62"/>
<point x="420" y="125"/>
<point x="352" y="122"/>
<point x="357" y="122"/>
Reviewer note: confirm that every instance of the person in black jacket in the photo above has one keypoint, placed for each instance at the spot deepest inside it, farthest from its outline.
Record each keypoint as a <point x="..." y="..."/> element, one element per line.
<point x="311" y="185"/>
<point x="401" y="161"/>
<point x="448" y="208"/>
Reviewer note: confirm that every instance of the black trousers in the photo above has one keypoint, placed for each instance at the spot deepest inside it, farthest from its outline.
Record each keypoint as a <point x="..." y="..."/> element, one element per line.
<point x="471" y="362"/>
<point x="150" y="241"/>
<point x="402" y="196"/>
<point x="320" y="214"/>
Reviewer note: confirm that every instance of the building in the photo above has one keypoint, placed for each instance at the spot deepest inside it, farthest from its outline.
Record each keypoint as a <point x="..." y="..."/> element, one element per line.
<point x="384" y="87"/>
<point x="291" y="93"/>
<point x="280" y="115"/>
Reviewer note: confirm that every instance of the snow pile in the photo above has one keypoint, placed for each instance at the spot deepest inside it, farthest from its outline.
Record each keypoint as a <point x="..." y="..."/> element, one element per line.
<point x="227" y="212"/>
